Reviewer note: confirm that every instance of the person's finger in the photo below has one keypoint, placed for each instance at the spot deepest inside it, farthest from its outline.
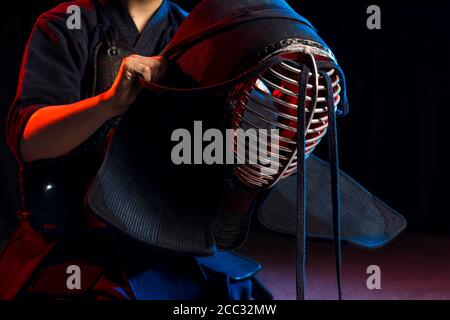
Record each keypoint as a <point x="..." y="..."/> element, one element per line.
<point x="148" y="60"/>
<point x="162" y="68"/>
<point x="135" y="68"/>
<point x="152" y="69"/>
<point x="144" y="71"/>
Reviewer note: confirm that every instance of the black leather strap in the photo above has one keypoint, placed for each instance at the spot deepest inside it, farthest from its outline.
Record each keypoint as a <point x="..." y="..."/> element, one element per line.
<point x="301" y="185"/>
<point x="334" y="167"/>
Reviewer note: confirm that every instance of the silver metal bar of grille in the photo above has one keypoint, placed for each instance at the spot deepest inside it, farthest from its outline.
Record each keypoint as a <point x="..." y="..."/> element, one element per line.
<point x="282" y="139"/>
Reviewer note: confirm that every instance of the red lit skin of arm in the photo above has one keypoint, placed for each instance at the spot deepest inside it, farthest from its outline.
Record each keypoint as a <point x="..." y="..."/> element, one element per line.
<point x="54" y="131"/>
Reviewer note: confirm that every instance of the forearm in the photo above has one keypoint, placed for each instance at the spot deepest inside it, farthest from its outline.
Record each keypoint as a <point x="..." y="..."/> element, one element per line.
<point x="55" y="130"/>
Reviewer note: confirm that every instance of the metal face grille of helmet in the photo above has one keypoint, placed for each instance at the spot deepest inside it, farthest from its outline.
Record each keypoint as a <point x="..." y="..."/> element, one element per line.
<point x="270" y="101"/>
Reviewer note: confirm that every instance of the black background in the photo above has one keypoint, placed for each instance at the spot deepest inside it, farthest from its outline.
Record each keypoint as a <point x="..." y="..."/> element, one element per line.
<point x="395" y="139"/>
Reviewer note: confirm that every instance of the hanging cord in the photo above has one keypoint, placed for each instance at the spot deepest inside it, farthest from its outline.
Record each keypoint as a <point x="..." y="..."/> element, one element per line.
<point x="334" y="173"/>
<point x="318" y="67"/>
<point x="302" y="127"/>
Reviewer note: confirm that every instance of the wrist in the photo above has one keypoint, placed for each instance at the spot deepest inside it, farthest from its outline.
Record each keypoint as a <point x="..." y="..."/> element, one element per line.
<point x="109" y="106"/>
